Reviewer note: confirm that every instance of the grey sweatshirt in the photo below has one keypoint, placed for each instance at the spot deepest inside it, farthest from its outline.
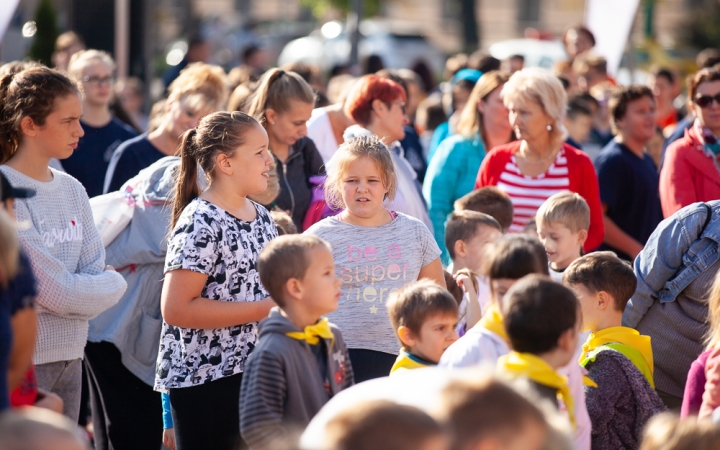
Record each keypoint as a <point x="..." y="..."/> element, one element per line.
<point x="282" y="387"/>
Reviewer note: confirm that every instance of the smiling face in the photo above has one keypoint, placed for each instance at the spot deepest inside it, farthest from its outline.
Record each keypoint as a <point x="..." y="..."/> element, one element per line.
<point x="251" y="162"/>
<point x="58" y="136"/>
<point x="639" y="121"/>
<point x="561" y="244"/>
<point x="528" y="119"/>
<point x="363" y="189"/>
<point x="436" y="334"/>
<point x="320" y="285"/>
<point x="288" y="127"/>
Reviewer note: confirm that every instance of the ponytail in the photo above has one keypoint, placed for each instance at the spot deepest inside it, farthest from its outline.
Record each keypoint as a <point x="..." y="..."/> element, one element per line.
<point x="9" y="136"/>
<point x="277" y="88"/>
<point x="186" y="186"/>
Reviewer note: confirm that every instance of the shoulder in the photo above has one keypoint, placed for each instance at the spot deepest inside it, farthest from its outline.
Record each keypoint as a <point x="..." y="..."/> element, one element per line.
<point x="576" y="157"/>
<point x="477" y="346"/>
<point x="67" y="181"/>
<point x="123" y="128"/>
<point x="306" y="145"/>
<point x="504" y="151"/>
<point x="404" y="221"/>
<point x="325" y="226"/>
<point x="609" y="364"/>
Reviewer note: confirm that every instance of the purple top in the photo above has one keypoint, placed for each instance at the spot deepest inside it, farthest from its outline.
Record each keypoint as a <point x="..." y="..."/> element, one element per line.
<point x="695" y="386"/>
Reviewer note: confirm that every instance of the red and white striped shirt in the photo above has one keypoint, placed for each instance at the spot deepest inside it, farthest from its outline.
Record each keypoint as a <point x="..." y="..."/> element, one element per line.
<point x="528" y="193"/>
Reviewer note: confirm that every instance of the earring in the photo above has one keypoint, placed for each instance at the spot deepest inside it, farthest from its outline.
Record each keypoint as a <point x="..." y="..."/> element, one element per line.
<point x="549" y="127"/>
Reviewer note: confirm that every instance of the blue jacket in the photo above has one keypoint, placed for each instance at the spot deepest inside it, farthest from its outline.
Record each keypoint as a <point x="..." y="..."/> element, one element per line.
<point x="450" y="175"/>
<point x="675" y="271"/>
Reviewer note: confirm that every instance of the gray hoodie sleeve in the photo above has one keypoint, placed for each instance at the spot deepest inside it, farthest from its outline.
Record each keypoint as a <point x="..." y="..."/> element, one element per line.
<point x="262" y="399"/>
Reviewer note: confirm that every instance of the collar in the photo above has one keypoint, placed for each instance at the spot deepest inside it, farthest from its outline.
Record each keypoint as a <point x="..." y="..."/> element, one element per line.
<point x="622" y="335"/>
<point x="492" y="321"/>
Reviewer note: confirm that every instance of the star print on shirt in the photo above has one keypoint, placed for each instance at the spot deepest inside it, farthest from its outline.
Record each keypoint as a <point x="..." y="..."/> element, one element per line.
<point x="373" y="309"/>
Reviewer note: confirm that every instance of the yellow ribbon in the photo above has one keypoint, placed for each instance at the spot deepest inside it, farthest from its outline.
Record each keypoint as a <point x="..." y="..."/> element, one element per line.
<point x="313" y="333"/>
<point x="622" y="335"/>
<point x="493" y="321"/>
<point x="536" y="369"/>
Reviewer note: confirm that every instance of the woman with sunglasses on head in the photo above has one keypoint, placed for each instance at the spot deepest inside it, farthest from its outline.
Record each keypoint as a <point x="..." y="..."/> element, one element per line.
<point x="691" y="171"/>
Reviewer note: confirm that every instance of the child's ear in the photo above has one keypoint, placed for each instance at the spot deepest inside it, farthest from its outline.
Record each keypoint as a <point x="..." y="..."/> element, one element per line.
<point x="604" y="300"/>
<point x="28" y="126"/>
<point x="294" y="287"/>
<point x="406" y="336"/>
<point x="460" y="248"/>
<point x="222" y="163"/>
<point x="582" y="236"/>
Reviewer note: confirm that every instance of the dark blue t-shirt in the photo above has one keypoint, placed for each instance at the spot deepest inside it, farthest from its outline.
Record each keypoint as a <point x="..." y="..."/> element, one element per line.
<point x="129" y="159"/>
<point x="629" y="189"/>
<point x="90" y="161"/>
<point x="19" y="294"/>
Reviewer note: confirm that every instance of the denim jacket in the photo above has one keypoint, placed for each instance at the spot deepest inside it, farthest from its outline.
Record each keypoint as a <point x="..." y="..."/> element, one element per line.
<point x="674" y="273"/>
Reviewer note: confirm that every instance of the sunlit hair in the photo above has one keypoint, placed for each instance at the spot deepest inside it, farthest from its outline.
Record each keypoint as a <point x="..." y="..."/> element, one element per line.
<point x="565" y="208"/>
<point x="276" y="89"/>
<point x="542" y="87"/>
<point x="471" y="119"/>
<point x="359" y="147"/>
<point x="200" y="86"/>
<point x="80" y="60"/>
<point x="667" y="431"/>
<point x="367" y="89"/>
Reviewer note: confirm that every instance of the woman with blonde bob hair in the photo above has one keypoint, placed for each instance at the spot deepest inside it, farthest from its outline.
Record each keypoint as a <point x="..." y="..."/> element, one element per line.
<point x="200" y="89"/>
<point x="451" y="174"/>
<point x="539" y="164"/>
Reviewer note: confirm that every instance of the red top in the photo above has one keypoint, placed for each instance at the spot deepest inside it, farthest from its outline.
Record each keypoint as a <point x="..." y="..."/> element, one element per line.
<point x="688" y="175"/>
<point x="572" y="170"/>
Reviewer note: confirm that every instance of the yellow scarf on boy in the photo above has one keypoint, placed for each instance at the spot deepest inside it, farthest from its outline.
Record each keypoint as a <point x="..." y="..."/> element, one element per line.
<point x="313" y="333"/>
<point x="536" y="369"/>
<point x="492" y="320"/>
<point x="621" y="335"/>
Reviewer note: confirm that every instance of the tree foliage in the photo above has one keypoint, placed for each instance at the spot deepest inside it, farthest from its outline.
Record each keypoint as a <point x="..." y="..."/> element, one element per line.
<point x="702" y="29"/>
<point x="43" y="45"/>
<point x="320" y="7"/>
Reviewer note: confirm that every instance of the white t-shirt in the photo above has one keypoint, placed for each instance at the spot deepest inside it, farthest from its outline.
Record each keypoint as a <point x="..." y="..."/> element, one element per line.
<point x="372" y="262"/>
<point x="319" y="129"/>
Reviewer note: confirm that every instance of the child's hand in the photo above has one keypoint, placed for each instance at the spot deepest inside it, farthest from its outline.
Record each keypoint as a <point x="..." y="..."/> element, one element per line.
<point x="468" y="282"/>
<point x="169" y="438"/>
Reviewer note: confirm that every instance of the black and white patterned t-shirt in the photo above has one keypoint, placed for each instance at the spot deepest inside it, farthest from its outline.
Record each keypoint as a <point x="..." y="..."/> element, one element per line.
<point x="209" y="240"/>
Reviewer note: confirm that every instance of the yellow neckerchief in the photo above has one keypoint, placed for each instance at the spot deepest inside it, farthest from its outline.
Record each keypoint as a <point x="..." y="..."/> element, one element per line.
<point x="313" y="333"/>
<point x="623" y="335"/>
<point x="406" y="361"/>
<point x="536" y="369"/>
<point x="492" y="320"/>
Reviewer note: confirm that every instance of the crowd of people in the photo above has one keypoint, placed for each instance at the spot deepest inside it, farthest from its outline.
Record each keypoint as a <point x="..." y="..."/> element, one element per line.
<point x="295" y="251"/>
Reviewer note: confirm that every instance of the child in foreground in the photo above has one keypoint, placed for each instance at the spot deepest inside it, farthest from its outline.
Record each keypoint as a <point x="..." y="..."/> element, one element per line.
<point x="376" y="250"/>
<point x="301" y="360"/>
<point x="424" y="317"/>
<point x="563" y="221"/>
<point x="380" y="424"/>
<point x="541" y="320"/>
<point x="468" y="235"/>
<point x="618" y="359"/>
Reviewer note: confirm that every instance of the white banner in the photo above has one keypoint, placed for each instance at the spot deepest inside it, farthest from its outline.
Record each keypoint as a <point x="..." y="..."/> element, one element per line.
<point x="611" y="22"/>
<point x="7" y="9"/>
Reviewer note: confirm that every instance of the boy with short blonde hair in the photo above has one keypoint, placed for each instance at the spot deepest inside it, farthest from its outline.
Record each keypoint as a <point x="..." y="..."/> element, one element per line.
<point x="299" y="350"/>
<point x="563" y="221"/>
<point x="424" y="316"/>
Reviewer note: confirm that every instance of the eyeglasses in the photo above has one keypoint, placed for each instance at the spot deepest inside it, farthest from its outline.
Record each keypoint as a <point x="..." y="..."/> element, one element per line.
<point x="97" y="81"/>
<point x="402" y="105"/>
<point x="704" y="101"/>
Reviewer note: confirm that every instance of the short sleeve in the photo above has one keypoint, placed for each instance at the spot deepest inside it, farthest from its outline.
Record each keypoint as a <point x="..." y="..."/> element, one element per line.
<point x="194" y="245"/>
<point x="613" y="181"/>
<point x="430" y="250"/>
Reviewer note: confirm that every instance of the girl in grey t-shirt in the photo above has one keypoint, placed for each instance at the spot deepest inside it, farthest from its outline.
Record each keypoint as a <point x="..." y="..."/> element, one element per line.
<point x="376" y="251"/>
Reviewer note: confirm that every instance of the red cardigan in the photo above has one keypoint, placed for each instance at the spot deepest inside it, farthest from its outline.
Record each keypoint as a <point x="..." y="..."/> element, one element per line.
<point x="581" y="174"/>
<point x="687" y="175"/>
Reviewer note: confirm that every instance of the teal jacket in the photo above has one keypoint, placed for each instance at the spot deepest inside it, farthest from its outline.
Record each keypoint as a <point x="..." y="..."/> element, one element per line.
<point x="450" y="175"/>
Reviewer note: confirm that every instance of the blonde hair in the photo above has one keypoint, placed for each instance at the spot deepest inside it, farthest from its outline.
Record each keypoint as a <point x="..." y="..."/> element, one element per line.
<point x="712" y="339"/>
<point x="544" y="88"/>
<point x="565" y="208"/>
<point x="80" y="60"/>
<point x="200" y="86"/>
<point x="275" y="91"/>
<point x="667" y="431"/>
<point x="9" y="249"/>
<point x="471" y="119"/>
<point x="360" y="147"/>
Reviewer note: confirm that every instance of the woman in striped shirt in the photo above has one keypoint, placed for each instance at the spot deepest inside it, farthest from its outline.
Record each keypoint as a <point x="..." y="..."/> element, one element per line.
<point x="539" y="164"/>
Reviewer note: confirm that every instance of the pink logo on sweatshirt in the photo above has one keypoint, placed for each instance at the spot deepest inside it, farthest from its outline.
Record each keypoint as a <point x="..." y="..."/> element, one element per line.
<point x="73" y="232"/>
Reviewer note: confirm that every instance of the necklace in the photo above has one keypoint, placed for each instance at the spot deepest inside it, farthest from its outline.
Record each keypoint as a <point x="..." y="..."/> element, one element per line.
<point x="550" y="157"/>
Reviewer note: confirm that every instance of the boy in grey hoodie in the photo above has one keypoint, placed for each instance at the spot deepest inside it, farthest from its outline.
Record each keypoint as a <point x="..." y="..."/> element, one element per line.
<point x="301" y="360"/>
